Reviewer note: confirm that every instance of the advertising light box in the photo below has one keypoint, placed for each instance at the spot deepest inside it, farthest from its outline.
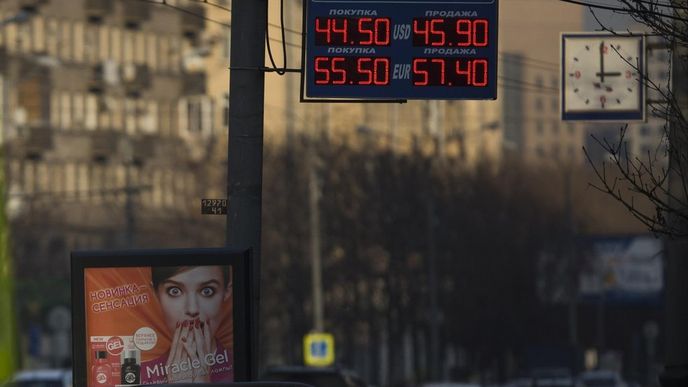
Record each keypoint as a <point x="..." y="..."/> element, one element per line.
<point x="160" y="316"/>
<point x="411" y="49"/>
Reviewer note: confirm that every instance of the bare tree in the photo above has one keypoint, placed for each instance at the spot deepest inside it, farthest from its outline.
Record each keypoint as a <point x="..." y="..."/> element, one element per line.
<point x="641" y="182"/>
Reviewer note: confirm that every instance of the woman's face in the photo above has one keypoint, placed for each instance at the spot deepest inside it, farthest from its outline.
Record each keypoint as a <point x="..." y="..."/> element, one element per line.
<point x="194" y="293"/>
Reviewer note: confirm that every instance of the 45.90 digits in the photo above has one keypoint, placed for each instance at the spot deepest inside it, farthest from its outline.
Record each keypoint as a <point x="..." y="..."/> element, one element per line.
<point x="450" y="32"/>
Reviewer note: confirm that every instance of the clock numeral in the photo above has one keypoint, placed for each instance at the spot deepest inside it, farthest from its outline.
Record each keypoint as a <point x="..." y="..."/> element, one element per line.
<point x="603" y="100"/>
<point x="629" y="74"/>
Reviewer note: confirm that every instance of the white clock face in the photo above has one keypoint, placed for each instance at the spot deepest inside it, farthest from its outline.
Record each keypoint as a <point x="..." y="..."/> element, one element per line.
<point x="602" y="73"/>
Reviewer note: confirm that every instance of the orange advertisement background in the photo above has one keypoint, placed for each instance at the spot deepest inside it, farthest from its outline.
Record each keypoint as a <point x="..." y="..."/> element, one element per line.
<point x="125" y="321"/>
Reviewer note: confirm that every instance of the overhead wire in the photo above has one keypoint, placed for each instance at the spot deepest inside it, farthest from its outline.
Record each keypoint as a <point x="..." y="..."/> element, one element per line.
<point x="283" y="70"/>
<point x="181" y="9"/>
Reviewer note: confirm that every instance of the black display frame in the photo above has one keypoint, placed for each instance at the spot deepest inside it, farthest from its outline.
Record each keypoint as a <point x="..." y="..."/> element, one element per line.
<point x="242" y="289"/>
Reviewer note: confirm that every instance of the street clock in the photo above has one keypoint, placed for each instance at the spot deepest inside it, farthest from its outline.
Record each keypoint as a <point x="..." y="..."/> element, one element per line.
<point x="602" y="77"/>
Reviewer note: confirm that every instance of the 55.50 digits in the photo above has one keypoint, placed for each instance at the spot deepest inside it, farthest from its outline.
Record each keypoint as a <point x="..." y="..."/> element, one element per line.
<point x="351" y="70"/>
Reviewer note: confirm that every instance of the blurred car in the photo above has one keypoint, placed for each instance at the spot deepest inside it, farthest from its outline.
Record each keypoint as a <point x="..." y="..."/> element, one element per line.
<point x="42" y="378"/>
<point x="317" y="377"/>
<point x="600" y="378"/>
<point x="450" y="384"/>
<point x="552" y="377"/>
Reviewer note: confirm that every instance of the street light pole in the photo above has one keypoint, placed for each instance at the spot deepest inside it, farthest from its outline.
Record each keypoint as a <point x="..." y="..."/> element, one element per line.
<point x="245" y="144"/>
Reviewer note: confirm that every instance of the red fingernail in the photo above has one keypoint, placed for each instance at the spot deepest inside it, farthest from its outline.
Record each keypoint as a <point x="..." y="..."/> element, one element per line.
<point x="202" y="324"/>
<point x="184" y="339"/>
<point x="178" y="324"/>
<point x="186" y="323"/>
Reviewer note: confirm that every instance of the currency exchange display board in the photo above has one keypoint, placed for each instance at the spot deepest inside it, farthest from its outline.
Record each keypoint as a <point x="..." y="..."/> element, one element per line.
<point x="410" y="49"/>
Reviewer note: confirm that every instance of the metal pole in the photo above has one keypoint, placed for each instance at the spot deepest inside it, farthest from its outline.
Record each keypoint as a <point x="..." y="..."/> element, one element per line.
<point x="314" y="220"/>
<point x="245" y="144"/>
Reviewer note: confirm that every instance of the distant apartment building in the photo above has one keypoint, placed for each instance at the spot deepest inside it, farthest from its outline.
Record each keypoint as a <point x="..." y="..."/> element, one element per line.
<point x="104" y="123"/>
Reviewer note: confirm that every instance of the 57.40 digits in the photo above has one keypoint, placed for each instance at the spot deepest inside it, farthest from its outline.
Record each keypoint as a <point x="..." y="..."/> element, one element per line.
<point x="449" y="72"/>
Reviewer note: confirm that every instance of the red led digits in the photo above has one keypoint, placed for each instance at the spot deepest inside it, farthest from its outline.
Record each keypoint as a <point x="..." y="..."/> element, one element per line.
<point x="368" y="31"/>
<point x="440" y="62"/>
<point x="341" y="31"/>
<point x="463" y="32"/>
<point x="479" y="76"/>
<point x="367" y="72"/>
<point x="381" y="71"/>
<point x="417" y="70"/>
<point x="322" y="26"/>
<point x="480" y="32"/>
<point x="450" y="32"/>
<point x="464" y="72"/>
<point x="454" y="72"/>
<point x="382" y="31"/>
<point x="351" y="70"/>
<point x="341" y="70"/>
<point x="431" y="31"/>
<point x="322" y="71"/>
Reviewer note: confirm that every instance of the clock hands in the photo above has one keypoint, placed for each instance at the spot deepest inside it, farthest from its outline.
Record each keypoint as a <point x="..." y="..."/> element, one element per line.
<point x="602" y="73"/>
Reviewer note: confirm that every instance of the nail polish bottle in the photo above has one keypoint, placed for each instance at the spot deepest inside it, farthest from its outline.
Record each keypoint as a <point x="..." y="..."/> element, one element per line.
<point x="101" y="372"/>
<point x="131" y="367"/>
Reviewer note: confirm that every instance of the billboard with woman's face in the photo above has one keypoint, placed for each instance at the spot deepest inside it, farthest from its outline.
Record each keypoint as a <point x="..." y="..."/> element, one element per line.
<point x="151" y="317"/>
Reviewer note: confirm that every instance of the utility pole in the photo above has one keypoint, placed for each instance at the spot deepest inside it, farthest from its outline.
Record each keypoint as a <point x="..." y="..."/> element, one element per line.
<point x="314" y="222"/>
<point x="245" y="144"/>
<point x="434" y="129"/>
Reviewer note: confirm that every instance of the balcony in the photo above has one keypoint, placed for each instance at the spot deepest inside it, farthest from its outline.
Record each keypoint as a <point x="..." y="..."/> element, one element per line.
<point x="97" y="10"/>
<point x="135" y="13"/>
<point x="135" y="79"/>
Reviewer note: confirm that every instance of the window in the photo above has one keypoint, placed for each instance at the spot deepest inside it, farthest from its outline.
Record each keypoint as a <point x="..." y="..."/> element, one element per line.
<point x="128" y="42"/>
<point x="539" y="127"/>
<point x="52" y="37"/>
<point x="91" y="116"/>
<point x="140" y="48"/>
<point x="116" y="112"/>
<point x="78" y="101"/>
<point x="65" y="40"/>
<point x="115" y="45"/>
<point x="164" y="54"/>
<point x="66" y="116"/>
<point x="78" y="42"/>
<point x="103" y="45"/>
<point x="538" y="103"/>
<point x="194" y="116"/>
<point x="152" y="51"/>
<point x="24" y="38"/>
<point x="38" y="34"/>
<point x="148" y="120"/>
<point x="555" y="127"/>
<point x="130" y="115"/>
<point x="55" y="109"/>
